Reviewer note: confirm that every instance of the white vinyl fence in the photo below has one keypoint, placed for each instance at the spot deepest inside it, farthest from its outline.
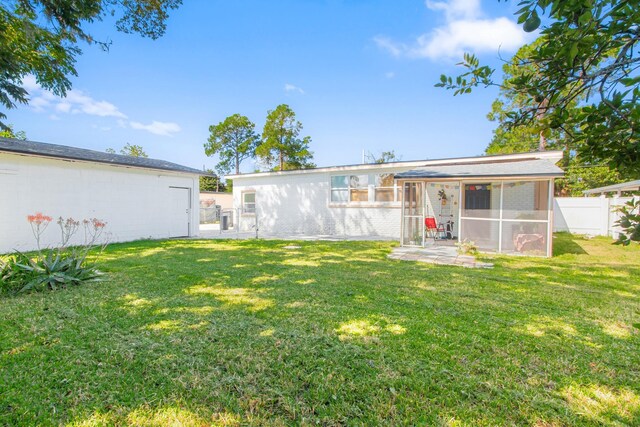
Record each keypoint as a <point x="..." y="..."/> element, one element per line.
<point x="595" y="216"/>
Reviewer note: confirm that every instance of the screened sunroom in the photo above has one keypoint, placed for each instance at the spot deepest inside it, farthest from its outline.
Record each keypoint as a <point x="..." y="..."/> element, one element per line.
<point x="503" y="207"/>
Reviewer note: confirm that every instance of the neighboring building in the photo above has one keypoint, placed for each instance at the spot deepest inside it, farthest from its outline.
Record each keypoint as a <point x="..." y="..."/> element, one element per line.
<point x="214" y="198"/>
<point x="502" y="203"/>
<point x="211" y="205"/>
<point x="137" y="197"/>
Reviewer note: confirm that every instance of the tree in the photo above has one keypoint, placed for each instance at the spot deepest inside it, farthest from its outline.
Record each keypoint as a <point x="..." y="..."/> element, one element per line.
<point x="42" y="37"/>
<point x="212" y="182"/>
<point x="384" y="157"/>
<point x="281" y="147"/>
<point x="133" y="151"/>
<point x="588" y="55"/>
<point x="130" y="150"/>
<point x="8" y="132"/>
<point x="234" y="140"/>
<point x="539" y="135"/>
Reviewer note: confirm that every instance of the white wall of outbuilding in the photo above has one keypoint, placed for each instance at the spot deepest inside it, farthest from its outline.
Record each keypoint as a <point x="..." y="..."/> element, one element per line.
<point x="135" y="202"/>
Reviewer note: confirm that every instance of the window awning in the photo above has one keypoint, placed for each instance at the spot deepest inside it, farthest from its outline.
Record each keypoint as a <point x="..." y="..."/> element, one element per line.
<point x="513" y="169"/>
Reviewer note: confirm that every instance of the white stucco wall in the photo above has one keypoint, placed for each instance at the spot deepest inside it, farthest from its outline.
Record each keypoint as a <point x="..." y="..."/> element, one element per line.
<point x="300" y="204"/>
<point x="133" y="201"/>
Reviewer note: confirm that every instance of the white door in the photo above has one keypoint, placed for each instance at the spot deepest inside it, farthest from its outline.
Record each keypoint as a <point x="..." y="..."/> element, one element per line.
<point x="179" y="207"/>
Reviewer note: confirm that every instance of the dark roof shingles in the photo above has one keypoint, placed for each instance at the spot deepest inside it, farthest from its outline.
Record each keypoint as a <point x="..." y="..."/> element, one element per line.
<point x="489" y="169"/>
<point x="73" y="153"/>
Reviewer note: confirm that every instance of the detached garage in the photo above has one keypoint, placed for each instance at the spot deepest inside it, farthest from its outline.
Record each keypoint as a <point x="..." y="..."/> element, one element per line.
<point x="138" y="197"/>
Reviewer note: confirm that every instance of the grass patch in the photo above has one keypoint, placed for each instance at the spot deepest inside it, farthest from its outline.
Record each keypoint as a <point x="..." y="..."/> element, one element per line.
<point x="252" y="333"/>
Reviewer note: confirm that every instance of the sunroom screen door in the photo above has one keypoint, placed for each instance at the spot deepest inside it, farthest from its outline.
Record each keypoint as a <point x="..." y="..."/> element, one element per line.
<point x="413" y="208"/>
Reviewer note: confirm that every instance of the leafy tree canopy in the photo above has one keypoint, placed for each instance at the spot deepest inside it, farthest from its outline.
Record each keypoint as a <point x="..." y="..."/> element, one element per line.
<point x="212" y="183"/>
<point x="281" y="147"/>
<point x="234" y="140"/>
<point x="42" y="37"/>
<point x="538" y="134"/>
<point x="130" y="150"/>
<point x="582" y="77"/>
<point x="8" y="132"/>
<point x="384" y="157"/>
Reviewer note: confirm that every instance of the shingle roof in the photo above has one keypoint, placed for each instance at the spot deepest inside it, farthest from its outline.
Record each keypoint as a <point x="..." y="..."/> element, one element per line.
<point x="64" y="152"/>
<point x="551" y="156"/>
<point x="489" y="169"/>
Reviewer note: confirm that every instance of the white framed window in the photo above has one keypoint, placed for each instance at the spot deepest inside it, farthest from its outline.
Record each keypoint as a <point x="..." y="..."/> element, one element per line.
<point x="359" y="188"/>
<point x="364" y="188"/>
<point x="249" y="202"/>
<point x="385" y="189"/>
<point x="339" y="189"/>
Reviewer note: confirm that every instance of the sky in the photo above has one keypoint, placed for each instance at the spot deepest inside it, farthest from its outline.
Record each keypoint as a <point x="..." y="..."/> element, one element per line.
<point x="359" y="74"/>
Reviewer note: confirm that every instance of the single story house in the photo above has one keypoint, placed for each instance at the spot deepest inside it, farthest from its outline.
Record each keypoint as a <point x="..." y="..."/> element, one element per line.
<point x="502" y="203"/>
<point x="137" y="197"/>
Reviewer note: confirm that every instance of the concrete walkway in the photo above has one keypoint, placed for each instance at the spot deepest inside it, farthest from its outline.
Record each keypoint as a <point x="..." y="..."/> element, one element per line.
<point x="442" y="255"/>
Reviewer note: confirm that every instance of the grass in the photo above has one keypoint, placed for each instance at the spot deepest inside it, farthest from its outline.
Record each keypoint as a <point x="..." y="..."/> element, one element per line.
<point x="193" y="333"/>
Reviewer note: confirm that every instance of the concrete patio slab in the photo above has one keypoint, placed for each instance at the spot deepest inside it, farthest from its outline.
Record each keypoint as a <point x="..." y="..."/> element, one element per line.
<point x="441" y="255"/>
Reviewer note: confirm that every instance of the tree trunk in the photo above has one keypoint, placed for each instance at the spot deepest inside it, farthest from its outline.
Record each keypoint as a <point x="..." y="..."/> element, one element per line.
<point x="237" y="164"/>
<point x="542" y="145"/>
<point x="281" y="161"/>
<point x="541" y="113"/>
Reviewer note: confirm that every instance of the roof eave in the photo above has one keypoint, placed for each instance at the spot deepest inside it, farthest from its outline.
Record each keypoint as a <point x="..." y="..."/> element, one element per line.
<point x="464" y="177"/>
<point x="119" y="164"/>
<point x="624" y="186"/>
<point x="555" y="156"/>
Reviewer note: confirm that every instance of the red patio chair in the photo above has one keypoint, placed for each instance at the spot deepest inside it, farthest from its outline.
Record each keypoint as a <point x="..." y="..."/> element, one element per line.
<point x="432" y="228"/>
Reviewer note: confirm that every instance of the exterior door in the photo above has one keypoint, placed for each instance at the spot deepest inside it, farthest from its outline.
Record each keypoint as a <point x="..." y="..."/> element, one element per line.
<point x="179" y="206"/>
<point x="413" y="232"/>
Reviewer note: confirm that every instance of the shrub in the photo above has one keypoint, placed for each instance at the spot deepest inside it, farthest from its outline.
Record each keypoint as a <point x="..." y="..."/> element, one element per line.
<point x="629" y="222"/>
<point x="467" y="247"/>
<point x="53" y="268"/>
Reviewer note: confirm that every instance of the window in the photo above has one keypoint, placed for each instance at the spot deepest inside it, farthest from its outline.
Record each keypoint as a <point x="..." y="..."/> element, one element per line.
<point x="385" y="189"/>
<point x="249" y="202"/>
<point x="359" y="188"/>
<point x="376" y="188"/>
<point x="477" y="196"/>
<point x="339" y="189"/>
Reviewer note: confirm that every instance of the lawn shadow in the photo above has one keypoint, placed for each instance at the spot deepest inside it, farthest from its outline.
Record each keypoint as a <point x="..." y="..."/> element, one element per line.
<point x="567" y="243"/>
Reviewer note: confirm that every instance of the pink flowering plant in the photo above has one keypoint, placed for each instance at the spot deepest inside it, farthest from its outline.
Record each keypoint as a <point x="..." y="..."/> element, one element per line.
<point x="56" y="267"/>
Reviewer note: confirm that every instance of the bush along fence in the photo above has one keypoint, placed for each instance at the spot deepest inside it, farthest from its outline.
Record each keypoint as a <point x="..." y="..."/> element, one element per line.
<point x="57" y="267"/>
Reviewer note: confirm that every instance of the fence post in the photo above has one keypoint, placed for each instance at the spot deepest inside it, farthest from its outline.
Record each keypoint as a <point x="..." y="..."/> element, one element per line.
<point x="605" y="215"/>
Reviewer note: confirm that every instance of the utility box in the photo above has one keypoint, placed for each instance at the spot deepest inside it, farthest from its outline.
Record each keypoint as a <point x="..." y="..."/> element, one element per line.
<point x="224" y="221"/>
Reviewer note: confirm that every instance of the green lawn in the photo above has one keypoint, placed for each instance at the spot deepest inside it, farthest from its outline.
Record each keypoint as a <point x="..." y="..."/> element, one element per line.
<point x="250" y="333"/>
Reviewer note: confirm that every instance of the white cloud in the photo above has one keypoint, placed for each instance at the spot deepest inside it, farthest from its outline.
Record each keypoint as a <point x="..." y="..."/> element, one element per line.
<point x="288" y="87"/>
<point x="385" y="43"/>
<point x="390" y="74"/>
<point x="75" y="102"/>
<point x="30" y="84"/>
<point x="63" y="107"/>
<point x="79" y="102"/>
<point x="456" y="9"/>
<point x="465" y="29"/>
<point x="39" y="103"/>
<point x="157" y="128"/>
